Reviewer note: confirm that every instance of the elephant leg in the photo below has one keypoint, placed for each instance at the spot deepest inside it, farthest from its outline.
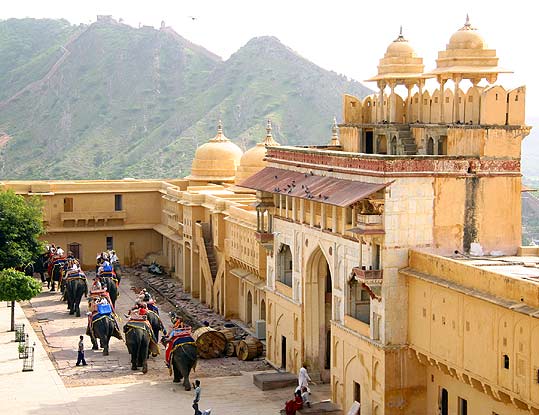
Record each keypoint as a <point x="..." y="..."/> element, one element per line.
<point x="185" y="374"/>
<point x="94" y="344"/>
<point x="53" y="288"/>
<point x="105" y="344"/>
<point x="145" y="366"/>
<point x="42" y="276"/>
<point x="77" y="310"/>
<point x="176" y="370"/>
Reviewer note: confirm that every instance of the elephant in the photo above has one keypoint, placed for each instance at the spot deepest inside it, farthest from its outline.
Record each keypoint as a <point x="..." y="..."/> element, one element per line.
<point x="156" y="323"/>
<point x="56" y="272"/>
<point x="183" y="359"/>
<point x="139" y="341"/>
<point x="40" y="265"/>
<point x="75" y="287"/>
<point x="109" y="283"/>
<point x="102" y="327"/>
<point x="118" y="271"/>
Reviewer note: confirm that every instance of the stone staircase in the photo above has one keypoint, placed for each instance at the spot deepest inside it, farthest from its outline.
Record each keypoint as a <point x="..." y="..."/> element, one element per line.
<point x="210" y="254"/>
<point x="408" y="145"/>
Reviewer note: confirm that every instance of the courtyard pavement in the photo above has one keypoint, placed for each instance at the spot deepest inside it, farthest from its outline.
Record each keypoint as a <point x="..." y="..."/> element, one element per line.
<point x="42" y="391"/>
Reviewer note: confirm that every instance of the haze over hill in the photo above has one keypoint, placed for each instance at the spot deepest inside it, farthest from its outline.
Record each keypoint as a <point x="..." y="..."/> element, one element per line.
<point x="110" y="101"/>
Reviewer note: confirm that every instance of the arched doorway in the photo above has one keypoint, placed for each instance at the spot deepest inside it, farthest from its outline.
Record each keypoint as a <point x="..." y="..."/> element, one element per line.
<point x="262" y="310"/>
<point x="318" y="305"/>
<point x="430" y="146"/>
<point x="249" y="316"/>
<point x="74" y="247"/>
<point x="444" y="402"/>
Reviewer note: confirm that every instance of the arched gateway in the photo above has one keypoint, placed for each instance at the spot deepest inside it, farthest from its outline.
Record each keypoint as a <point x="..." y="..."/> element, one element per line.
<point x="318" y="305"/>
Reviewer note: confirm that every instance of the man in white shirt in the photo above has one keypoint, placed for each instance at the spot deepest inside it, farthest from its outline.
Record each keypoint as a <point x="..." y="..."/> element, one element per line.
<point x="304" y="378"/>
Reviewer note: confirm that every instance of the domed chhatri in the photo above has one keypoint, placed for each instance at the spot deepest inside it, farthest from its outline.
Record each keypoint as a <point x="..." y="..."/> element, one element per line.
<point x="252" y="160"/>
<point x="466" y="37"/>
<point x="400" y="62"/>
<point x="467" y="57"/>
<point x="216" y="160"/>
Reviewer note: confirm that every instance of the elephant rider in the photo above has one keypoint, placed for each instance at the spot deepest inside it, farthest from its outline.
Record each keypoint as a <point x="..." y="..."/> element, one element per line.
<point x="178" y="331"/>
<point x="144" y="295"/>
<point x="138" y="312"/>
<point x="114" y="257"/>
<point x="96" y="285"/>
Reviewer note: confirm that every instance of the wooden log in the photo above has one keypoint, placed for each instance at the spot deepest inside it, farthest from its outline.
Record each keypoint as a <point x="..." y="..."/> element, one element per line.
<point x="230" y="349"/>
<point x="210" y="342"/>
<point x="229" y="334"/>
<point x="249" y="348"/>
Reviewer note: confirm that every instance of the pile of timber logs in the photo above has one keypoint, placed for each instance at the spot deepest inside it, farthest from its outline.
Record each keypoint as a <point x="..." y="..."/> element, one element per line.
<point x="212" y="343"/>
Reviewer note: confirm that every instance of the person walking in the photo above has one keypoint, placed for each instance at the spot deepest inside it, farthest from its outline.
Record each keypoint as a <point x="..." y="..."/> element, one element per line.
<point x="197" y="397"/>
<point x="304" y="379"/>
<point x="80" y="357"/>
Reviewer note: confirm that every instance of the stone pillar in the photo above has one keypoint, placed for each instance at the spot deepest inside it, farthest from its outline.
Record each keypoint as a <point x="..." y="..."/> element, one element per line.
<point x="391" y="103"/>
<point x="380" y="110"/>
<point x="420" y="85"/>
<point x="408" y="105"/>
<point x="456" y="105"/>
<point x="442" y="97"/>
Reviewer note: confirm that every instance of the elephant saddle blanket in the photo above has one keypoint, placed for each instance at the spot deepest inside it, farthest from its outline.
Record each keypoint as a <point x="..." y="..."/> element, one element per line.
<point x="74" y="275"/>
<point x="176" y="342"/>
<point x="144" y="325"/>
<point x="95" y="317"/>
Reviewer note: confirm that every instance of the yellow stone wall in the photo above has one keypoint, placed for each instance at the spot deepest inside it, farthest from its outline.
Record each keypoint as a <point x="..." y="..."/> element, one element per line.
<point x="131" y="246"/>
<point x="462" y="336"/>
<point x="284" y="318"/>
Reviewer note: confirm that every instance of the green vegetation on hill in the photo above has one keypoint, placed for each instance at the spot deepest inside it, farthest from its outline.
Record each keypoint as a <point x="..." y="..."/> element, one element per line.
<point x="118" y="101"/>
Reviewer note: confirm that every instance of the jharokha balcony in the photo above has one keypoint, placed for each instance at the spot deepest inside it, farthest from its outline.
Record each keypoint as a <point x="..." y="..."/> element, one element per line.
<point x="368" y="276"/>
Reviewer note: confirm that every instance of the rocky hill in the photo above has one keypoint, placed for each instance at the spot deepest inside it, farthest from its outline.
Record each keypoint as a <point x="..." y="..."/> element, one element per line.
<point x="110" y="101"/>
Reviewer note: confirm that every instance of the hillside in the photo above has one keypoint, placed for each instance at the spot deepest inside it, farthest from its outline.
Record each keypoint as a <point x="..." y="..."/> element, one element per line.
<point x="110" y="101"/>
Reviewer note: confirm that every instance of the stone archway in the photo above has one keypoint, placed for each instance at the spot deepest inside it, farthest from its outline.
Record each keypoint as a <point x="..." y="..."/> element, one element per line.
<point x="318" y="304"/>
<point x="249" y="316"/>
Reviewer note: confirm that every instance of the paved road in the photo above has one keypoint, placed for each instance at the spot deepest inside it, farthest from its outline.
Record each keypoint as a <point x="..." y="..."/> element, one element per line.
<point x="43" y="391"/>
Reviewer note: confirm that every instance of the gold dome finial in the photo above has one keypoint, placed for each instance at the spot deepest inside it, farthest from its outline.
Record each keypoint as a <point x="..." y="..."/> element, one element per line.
<point x="220" y="137"/>
<point x="401" y="37"/>
<point x="269" y="141"/>
<point x="467" y="25"/>
<point x="335" y="134"/>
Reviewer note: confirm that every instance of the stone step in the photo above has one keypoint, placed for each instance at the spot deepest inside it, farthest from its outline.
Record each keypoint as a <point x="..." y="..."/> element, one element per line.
<point x="277" y="380"/>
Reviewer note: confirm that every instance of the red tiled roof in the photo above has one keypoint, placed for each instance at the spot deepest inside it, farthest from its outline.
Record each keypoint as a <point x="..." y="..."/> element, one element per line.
<point x="324" y="189"/>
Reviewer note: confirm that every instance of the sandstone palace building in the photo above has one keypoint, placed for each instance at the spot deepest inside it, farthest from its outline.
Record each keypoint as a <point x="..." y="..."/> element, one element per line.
<point x="390" y="259"/>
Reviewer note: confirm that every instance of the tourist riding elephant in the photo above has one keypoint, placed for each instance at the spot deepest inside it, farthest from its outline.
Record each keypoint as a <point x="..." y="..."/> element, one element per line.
<point x="183" y="360"/>
<point x="109" y="282"/>
<point x="102" y="327"/>
<point x="56" y="271"/>
<point x="139" y="341"/>
<point x="75" y="287"/>
<point x="156" y="323"/>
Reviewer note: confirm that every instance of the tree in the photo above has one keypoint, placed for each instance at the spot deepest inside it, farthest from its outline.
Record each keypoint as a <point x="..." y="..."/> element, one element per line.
<point x="16" y="286"/>
<point x="21" y="225"/>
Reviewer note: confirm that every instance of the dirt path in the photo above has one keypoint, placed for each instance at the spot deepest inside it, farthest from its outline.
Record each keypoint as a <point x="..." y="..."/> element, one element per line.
<point x="59" y="333"/>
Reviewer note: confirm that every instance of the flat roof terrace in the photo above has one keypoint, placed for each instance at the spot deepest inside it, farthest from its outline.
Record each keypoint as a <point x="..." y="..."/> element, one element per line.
<point x="524" y="267"/>
<point x="508" y="281"/>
